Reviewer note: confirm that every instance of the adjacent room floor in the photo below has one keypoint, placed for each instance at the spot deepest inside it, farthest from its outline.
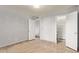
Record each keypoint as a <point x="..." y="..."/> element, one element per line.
<point x="37" y="46"/>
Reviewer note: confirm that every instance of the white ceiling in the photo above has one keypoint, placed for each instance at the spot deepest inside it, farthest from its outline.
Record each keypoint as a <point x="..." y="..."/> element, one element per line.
<point x="43" y="10"/>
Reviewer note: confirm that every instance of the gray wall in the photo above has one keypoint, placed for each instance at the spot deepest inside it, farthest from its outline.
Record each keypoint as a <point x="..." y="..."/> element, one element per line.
<point x="13" y="28"/>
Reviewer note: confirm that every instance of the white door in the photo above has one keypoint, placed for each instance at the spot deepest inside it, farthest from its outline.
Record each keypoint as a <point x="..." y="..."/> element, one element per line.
<point x="31" y="29"/>
<point x="71" y="31"/>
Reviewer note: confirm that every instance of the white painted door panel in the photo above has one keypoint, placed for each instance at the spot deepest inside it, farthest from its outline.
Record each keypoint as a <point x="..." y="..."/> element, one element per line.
<point x="71" y="31"/>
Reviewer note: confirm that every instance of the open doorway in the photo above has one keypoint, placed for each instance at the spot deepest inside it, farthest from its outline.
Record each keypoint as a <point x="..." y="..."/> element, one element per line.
<point x="34" y="28"/>
<point x="37" y="29"/>
<point x="60" y="22"/>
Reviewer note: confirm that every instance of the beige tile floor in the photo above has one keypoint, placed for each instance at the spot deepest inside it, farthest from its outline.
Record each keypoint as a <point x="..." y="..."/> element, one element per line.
<point x="37" y="46"/>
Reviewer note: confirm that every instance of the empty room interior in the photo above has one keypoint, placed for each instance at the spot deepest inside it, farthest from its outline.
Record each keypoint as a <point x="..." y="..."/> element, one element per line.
<point x="39" y="28"/>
